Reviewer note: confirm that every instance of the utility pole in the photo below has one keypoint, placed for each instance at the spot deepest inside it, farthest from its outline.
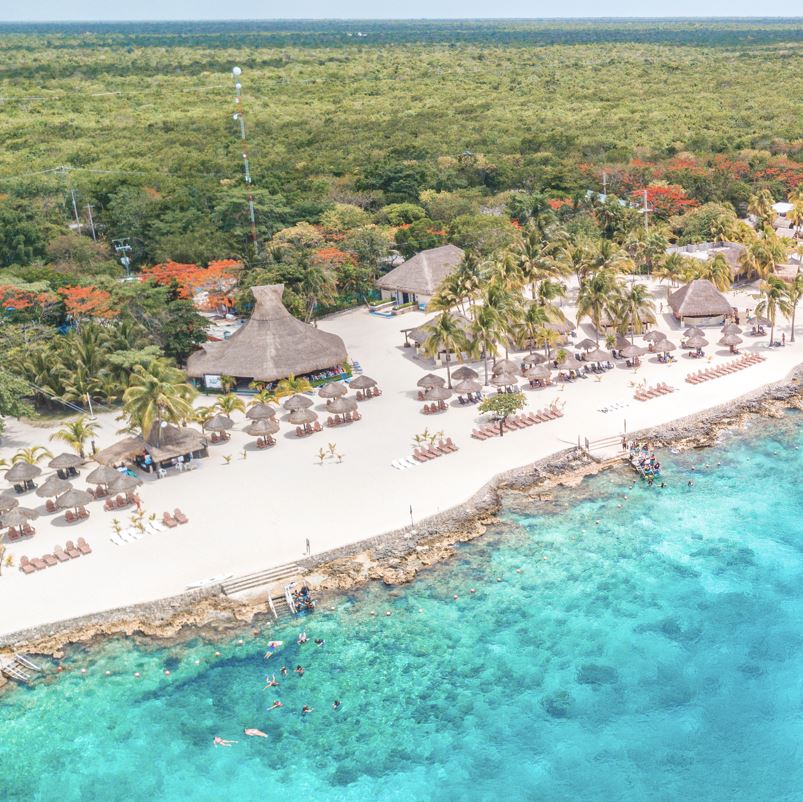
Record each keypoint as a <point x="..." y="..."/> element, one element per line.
<point x="91" y="221"/>
<point x="75" y="210"/>
<point x="604" y="183"/>
<point x="646" y="213"/>
<point x="239" y="116"/>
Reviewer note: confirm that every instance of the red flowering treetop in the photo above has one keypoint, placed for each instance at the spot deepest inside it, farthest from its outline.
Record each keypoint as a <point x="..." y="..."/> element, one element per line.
<point x="83" y="302"/>
<point x="190" y="278"/>
<point x="18" y="299"/>
<point x="665" y="200"/>
<point x="332" y="256"/>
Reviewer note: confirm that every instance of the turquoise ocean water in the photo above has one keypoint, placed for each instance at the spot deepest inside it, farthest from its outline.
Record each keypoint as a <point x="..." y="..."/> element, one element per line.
<point x="650" y="648"/>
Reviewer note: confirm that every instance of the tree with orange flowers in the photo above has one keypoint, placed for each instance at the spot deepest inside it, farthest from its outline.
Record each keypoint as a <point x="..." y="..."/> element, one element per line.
<point x="88" y="302"/>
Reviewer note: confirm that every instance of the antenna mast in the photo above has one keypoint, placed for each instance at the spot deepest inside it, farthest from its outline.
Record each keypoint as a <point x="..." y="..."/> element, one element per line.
<point x="239" y="116"/>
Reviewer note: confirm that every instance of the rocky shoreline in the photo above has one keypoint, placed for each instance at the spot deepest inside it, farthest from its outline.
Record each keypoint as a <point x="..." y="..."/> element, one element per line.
<point x="396" y="557"/>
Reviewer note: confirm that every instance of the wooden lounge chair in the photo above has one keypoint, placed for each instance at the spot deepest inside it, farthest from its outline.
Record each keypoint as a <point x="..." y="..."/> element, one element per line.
<point x="450" y="444"/>
<point x="108" y="505"/>
<point x="180" y="516"/>
<point x="417" y="455"/>
<point x="120" y="502"/>
<point x="83" y="512"/>
<point x="50" y="505"/>
<point x="83" y="546"/>
<point x="168" y="520"/>
<point x="38" y="563"/>
<point x="49" y="560"/>
<point x="70" y="516"/>
<point x="60" y="555"/>
<point x="72" y="552"/>
<point x="25" y="566"/>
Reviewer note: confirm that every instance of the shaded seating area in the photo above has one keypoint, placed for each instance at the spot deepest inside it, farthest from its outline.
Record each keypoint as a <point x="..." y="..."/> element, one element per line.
<point x="344" y="410"/>
<point x="438" y="395"/>
<point x="729" y="367"/>
<point x="21" y="475"/>
<point x="219" y="425"/>
<point x="65" y="465"/>
<point x="305" y="421"/>
<point x="263" y="429"/>
<point x="366" y="387"/>
<point x="17" y="521"/>
<point x="469" y="391"/>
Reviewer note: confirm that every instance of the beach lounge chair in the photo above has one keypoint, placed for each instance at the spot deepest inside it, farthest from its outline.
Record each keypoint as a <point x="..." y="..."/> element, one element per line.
<point x="50" y="505"/>
<point x="60" y="555"/>
<point x="108" y="505"/>
<point x="70" y="516"/>
<point x="83" y="546"/>
<point x="28" y="530"/>
<point x="120" y="502"/>
<point x="83" y="512"/>
<point x="168" y="520"/>
<point x="25" y="566"/>
<point x="155" y="526"/>
<point x="317" y="426"/>
<point x="49" y="560"/>
<point x="117" y="540"/>
<point x="38" y="563"/>
<point x="72" y="552"/>
<point x="180" y="516"/>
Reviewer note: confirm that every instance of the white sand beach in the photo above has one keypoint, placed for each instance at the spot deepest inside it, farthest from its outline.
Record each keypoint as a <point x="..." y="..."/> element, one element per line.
<point x="258" y="510"/>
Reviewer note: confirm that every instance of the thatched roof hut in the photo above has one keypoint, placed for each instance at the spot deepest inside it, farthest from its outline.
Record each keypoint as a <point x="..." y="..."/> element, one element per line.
<point x="701" y="302"/>
<point x="418" y="278"/>
<point x="162" y="444"/>
<point x="271" y="346"/>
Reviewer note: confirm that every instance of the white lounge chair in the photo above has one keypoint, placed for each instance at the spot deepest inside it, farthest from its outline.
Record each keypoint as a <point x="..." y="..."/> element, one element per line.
<point x="117" y="540"/>
<point x="155" y="526"/>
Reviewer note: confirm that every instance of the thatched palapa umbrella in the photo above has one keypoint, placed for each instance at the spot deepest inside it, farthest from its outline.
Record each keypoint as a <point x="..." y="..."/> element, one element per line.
<point x="363" y="382"/>
<point x="219" y="423"/>
<point x="586" y="344"/>
<point x="73" y="498"/>
<point x="504" y="380"/>
<point x="698" y="341"/>
<point x="333" y="390"/>
<point x="533" y="358"/>
<point x="665" y="346"/>
<point x="102" y="475"/>
<point x="569" y="362"/>
<point x="19" y="516"/>
<point x="731" y="340"/>
<point x="464" y="372"/>
<point x="260" y="412"/>
<point x="7" y="503"/>
<point x="302" y="417"/>
<point x="504" y="366"/>
<point x="22" y="472"/>
<point x="468" y="386"/>
<point x="731" y="328"/>
<point x="340" y="406"/>
<point x="439" y="394"/>
<point x="693" y="331"/>
<point x="264" y="427"/>
<point x="65" y="460"/>
<point x="537" y="373"/>
<point x="598" y="355"/>
<point x="54" y="486"/>
<point x="632" y="351"/>
<point x="297" y="402"/>
<point x="124" y="483"/>
<point x="653" y="336"/>
<point x="430" y="380"/>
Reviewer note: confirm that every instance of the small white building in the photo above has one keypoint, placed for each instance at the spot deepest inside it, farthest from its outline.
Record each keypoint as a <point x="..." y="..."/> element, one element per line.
<point x="417" y="279"/>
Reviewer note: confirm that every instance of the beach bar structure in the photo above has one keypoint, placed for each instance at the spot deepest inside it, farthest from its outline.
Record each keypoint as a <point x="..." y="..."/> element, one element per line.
<point x="418" y="279"/>
<point x="271" y="346"/>
<point x="700" y="303"/>
<point x="164" y="444"/>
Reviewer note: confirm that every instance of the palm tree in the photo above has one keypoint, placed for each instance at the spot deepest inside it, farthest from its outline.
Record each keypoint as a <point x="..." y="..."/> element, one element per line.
<point x="203" y="415"/>
<point x="290" y="386"/>
<point x="76" y="433"/>
<point x="447" y="337"/>
<point x="532" y="322"/>
<point x="158" y="393"/>
<point x="760" y="256"/>
<point x="597" y="295"/>
<point x="230" y="403"/>
<point x="32" y="455"/>
<point x="546" y="338"/>
<point x="264" y="396"/>
<point x="317" y="285"/>
<point x="486" y="331"/>
<point x="506" y="304"/>
<point x="609" y="256"/>
<point x="795" y="214"/>
<point x="719" y="272"/>
<point x="634" y="305"/>
<point x="794" y="292"/>
<point x="673" y="268"/>
<point x="760" y="206"/>
<point x="774" y="299"/>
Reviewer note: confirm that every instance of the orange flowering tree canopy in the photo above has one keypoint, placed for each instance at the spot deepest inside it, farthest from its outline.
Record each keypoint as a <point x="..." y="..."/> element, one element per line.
<point x="88" y="302"/>
<point x="189" y="278"/>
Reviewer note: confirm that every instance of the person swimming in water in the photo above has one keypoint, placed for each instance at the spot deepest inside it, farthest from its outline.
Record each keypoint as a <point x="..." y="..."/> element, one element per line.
<point x="299" y="670"/>
<point x="222" y="741"/>
<point x="302" y="638"/>
<point x="283" y="671"/>
<point x="319" y="641"/>
<point x="270" y="682"/>
<point x="276" y="704"/>
<point x="306" y="709"/>
<point x="254" y="733"/>
<point x="336" y="704"/>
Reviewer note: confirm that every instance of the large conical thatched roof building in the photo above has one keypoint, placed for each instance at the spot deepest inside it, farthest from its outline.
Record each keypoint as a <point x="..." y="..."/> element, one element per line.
<point x="419" y="277"/>
<point x="271" y="346"/>
<point x="701" y="302"/>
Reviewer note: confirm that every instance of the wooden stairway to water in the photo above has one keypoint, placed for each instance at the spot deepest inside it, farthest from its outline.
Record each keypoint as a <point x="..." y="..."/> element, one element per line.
<point x="18" y="667"/>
